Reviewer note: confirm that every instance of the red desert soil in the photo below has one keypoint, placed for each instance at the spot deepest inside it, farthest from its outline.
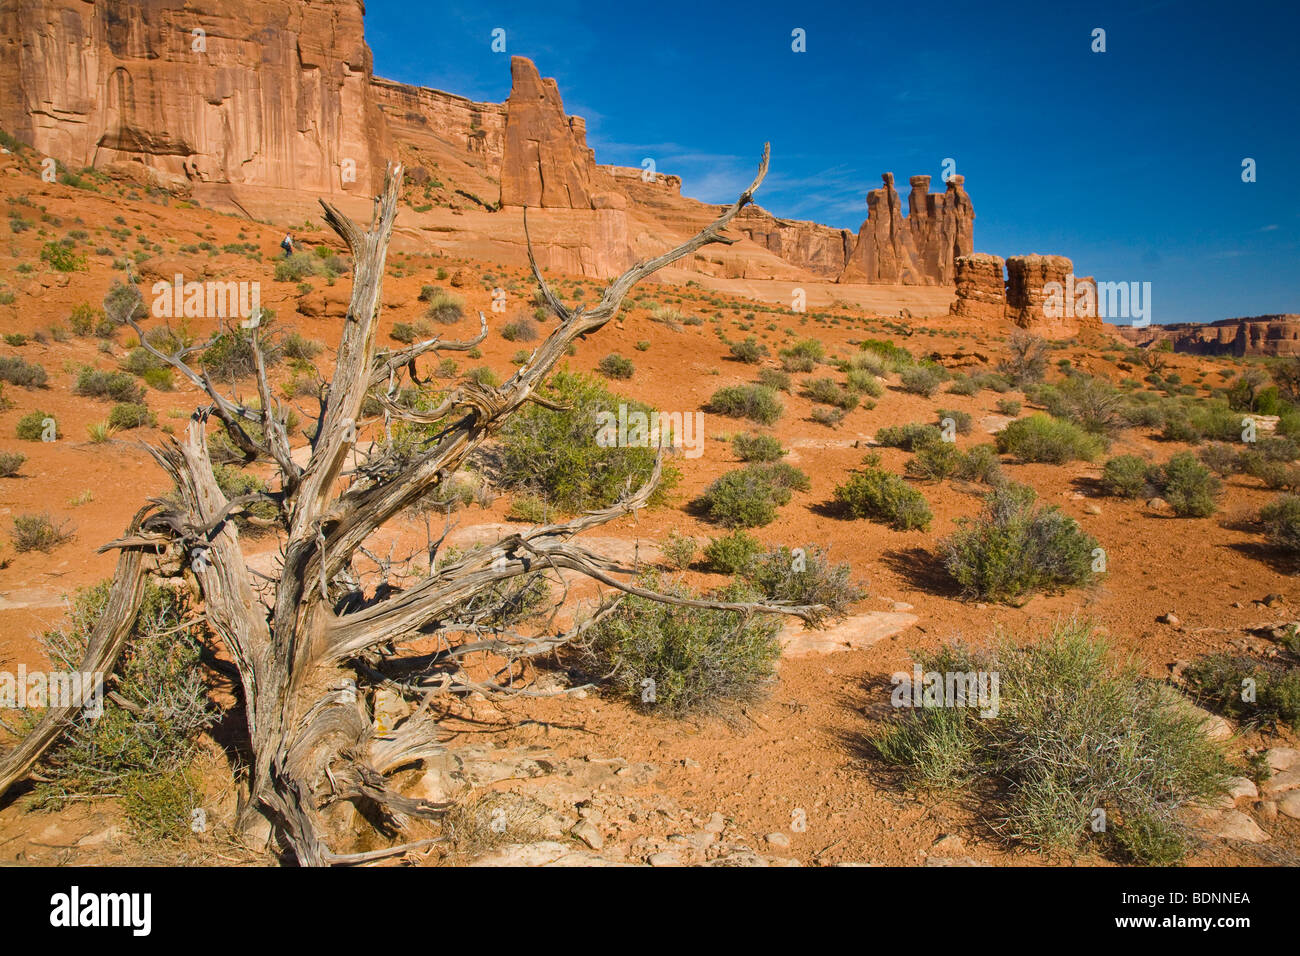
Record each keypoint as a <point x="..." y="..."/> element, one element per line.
<point x="794" y="750"/>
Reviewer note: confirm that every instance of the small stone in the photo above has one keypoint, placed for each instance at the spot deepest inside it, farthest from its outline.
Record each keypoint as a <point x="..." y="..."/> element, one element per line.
<point x="587" y="832"/>
<point x="777" y="839"/>
<point x="1273" y="600"/>
<point x="1289" y="804"/>
<point x="1280" y="783"/>
<point x="1282" y="758"/>
<point x="1092" y="509"/>
<point x="664" y="858"/>
<point x="1170" y="618"/>
<point x="900" y="606"/>
<point x="1239" y="787"/>
<point x="108" y="835"/>
<point x="1158" y="504"/>
<point x="716" y="824"/>
<point x="1235" y="825"/>
<point x="948" y="845"/>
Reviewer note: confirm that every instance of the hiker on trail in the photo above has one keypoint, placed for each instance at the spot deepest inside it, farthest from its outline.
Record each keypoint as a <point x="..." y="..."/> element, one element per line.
<point x="287" y="244"/>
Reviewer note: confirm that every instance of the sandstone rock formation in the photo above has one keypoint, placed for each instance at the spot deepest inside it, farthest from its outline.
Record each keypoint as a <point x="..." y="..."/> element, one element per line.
<point x="1275" y="335"/>
<point x="938" y="230"/>
<point x="1044" y="295"/>
<point x="981" y="287"/>
<point x="820" y="249"/>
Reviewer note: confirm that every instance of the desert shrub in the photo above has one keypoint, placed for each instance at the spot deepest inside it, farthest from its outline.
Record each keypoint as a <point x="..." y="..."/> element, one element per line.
<point x="299" y="347"/>
<point x="909" y="437"/>
<point x="885" y="498"/>
<point x="123" y="301"/>
<point x="522" y="329"/>
<point x="143" y="743"/>
<point x="1281" y="520"/>
<point x="62" y="258"/>
<point x="1074" y="729"/>
<point x="732" y="553"/>
<point x="445" y="308"/>
<point x="1013" y="549"/>
<point x="1125" y="477"/>
<point x="981" y="463"/>
<point x="803" y="576"/>
<point x="803" y="356"/>
<point x="750" y="351"/>
<point x="774" y="379"/>
<point x="31" y="427"/>
<point x="616" y="366"/>
<point x="1218" y="680"/>
<point x="483" y="376"/>
<point x="116" y="386"/>
<point x="140" y="360"/>
<point x="757" y="447"/>
<point x="679" y="550"/>
<point x="922" y="379"/>
<point x="934" y="462"/>
<point x="1221" y="458"/>
<point x="861" y="380"/>
<point x="961" y="420"/>
<point x="891" y="357"/>
<point x="1276" y="475"/>
<point x="408" y="332"/>
<point x="230" y="355"/>
<point x="1091" y="403"/>
<point x="748" y="497"/>
<point x="1187" y="485"/>
<point x="1045" y="439"/>
<point x="758" y="403"/>
<point x="681" y="660"/>
<point x="825" y="391"/>
<point x="16" y="371"/>
<point x="825" y="415"/>
<point x="297" y="267"/>
<point x="556" y="452"/>
<point x="963" y="385"/>
<point x="38" y="532"/>
<point x="1008" y="406"/>
<point x="127" y="415"/>
<point x="10" y="463"/>
<point x="1026" y="361"/>
<point x="528" y="507"/>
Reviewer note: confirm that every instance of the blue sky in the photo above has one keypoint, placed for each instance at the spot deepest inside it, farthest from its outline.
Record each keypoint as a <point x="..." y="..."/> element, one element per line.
<point x="1128" y="161"/>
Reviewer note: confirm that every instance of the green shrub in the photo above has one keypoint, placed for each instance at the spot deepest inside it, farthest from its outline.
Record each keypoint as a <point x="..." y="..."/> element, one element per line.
<point x="1013" y="549"/>
<point x="758" y="403"/>
<point x="445" y="308"/>
<point x="934" y="462"/>
<point x="757" y="447"/>
<point x="530" y="508"/>
<point x="961" y="421"/>
<point x="1040" y="438"/>
<point x="774" y="379"/>
<point x="556" y="452"/>
<point x="803" y="356"/>
<point x="963" y="385"/>
<point x="38" y="532"/>
<point x="1187" y="485"/>
<point x="116" y="386"/>
<point x="128" y="415"/>
<point x="616" y="366"/>
<point x="231" y="356"/>
<point x="825" y="391"/>
<point x="1008" y="406"/>
<point x="522" y="329"/>
<point x="1125" y="477"/>
<point x="861" y="380"/>
<point x="141" y="746"/>
<point x="679" y="550"/>
<point x="750" y="351"/>
<point x="16" y="371"/>
<point x="299" y="347"/>
<point x="1221" y="679"/>
<point x="733" y="553"/>
<point x="1075" y="731"/>
<point x="123" y="301"/>
<point x="981" y="463"/>
<point x="1091" y="403"/>
<point x="235" y="482"/>
<point x="922" y="379"/>
<point x="1026" y="361"/>
<point x="1281" y="520"/>
<point x="10" y="463"/>
<point x="297" y="267"/>
<point x="1221" y="458"/>
<point x="680" y="660"/>
<point x="885" y="498"/>
<point x="803" y="576"/>
<point x="909" y="437"/>
<point x="748" y="497"/>
<point x="62" y="258"/>
<point x="31" y="427"/>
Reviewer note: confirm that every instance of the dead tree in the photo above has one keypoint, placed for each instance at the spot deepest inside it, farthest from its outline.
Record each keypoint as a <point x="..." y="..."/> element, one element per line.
<point x="303" y="639"/>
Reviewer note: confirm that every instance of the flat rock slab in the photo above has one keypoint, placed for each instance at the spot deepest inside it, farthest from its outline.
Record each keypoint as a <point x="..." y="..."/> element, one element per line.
<point x="544" y="853"/>
<point x="854" y="633"/>
<point x="992" y="424"/>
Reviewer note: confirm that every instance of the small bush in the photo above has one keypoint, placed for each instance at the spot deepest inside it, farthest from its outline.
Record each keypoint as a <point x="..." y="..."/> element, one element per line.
<point x="31" y="427"/>
<point x="1026" y="362"/>
<point x="885" y="498"/>
<point x="680" y="660"/>
<point x="616" y="366"/>
<point x="909" y="437"/>
<point x="62" y="258"/>
<point x="297" y="267"/>
<point x="116" y="386"/>
<point x="963" y="385"/>
<point x="679" y="550"/>
<point x="1219" y="678"/>
<point x="130" y="415"/>
<point x="981" y="464"/>
<point x="530" y="508"/>
<point x="861" y="380"/>
<point x="1221" y="458"/>
<point x="748" y="497"/>
<point x="445" y="308"/>
<point x="38" y="532"/>
<point x="522" y="329"/>
<point x="1187" y="485"/>
<point x="10" y="463"/>
<point x="750" y="351"/>
<point x="774" y="379"/>
<point x="1074" y="730"/>
<point x="1040" y="438"/>
<point x="757" y="447"/>
<point x="16" y="371"/>
<point x="755" y="402"/>
<point x="1125" y="477"/>
<point x="961" y="421"/>
<point x="1008" y="406"/>
<point x="934" y="462"/>
<point x="922" y="379"/>
<point x="1281" y="520"/>
<point x="803" y="577"/>
<point x="1013" y="549"/>
<point x="299" y="347"/>
<point x="732" y="553"/>
<point x="825" y="391"/>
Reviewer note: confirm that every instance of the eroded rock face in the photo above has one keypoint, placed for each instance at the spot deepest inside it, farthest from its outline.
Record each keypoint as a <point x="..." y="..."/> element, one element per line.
<point x="817" y="248"/>
<point x="921" y="250"/>
<point x="1044" y="296"/>
<point x="1256" y="335"/>
<point x="546" y="161"/>
<point x="272" y="93"/>
<point x="981" y="287"/>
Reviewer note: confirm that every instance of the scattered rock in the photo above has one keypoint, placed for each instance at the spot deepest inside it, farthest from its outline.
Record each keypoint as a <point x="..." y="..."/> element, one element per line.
<point x="1280" y="782"/>
<point x="1160" y="505"/>
<point x="777" y="839"/>
<point x="587" y="832"/>
<point x="1239" y="787"/>
<point x="859" y="631"/>
<point x="1281" y="758"/>
<point x="1289" y="804"/>
<point x="665" y="858"/>
<point x="949" y="845"/>
<point x="1235" y="825"/>
<point x="1170" y="618"/>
